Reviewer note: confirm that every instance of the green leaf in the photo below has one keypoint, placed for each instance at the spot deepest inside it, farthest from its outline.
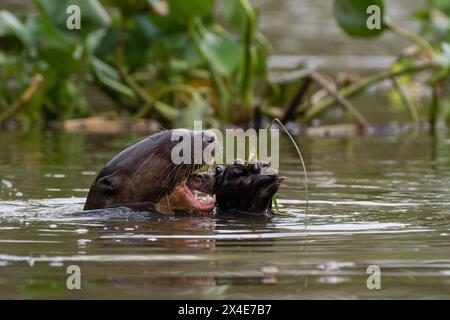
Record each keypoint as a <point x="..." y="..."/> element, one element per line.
<point x="92" y="15"/>
<point x="222" y="51"/>
<point x="166" y="110"/>
<point x="443" y="5"/>
<point x="185" y="11"/>
<point x="138" y="37"/>
<point x="354" y="18"/>
<point x="46" y="36"/>
<point x="59" y="51"/>
<point x="11" y="26"/>
<point x="108" y="76"/>
<point x="260" y="68"/>
<point x="236" y="12"/>
<point x="61" y="61"/>
<point x="182" y="12"/>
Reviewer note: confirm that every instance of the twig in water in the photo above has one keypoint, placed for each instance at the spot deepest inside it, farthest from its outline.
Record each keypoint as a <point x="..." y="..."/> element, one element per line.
<point x="343" y="102"/>
<point x="361" y="85"/>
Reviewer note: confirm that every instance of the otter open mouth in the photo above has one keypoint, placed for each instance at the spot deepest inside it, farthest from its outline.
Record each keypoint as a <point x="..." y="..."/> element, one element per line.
<point x="198" y="188"/>
<point x="192" y="194"/>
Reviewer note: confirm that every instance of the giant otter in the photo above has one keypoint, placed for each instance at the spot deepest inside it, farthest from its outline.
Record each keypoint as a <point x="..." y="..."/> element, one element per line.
<point x="145" y="177"/>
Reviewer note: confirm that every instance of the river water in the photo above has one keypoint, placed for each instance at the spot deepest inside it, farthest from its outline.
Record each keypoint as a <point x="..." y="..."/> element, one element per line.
<point x="380" y="200"/>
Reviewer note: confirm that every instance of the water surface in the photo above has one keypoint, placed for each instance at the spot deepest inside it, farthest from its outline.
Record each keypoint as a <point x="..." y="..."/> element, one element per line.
<point x="375" y="200"/>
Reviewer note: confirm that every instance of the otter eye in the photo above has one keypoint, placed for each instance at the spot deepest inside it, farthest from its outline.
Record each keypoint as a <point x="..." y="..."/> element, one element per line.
<point x="109" y="183"/>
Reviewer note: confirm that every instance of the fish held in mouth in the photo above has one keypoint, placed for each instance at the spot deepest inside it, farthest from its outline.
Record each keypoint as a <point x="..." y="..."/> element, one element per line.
<point x="192" y="195"/>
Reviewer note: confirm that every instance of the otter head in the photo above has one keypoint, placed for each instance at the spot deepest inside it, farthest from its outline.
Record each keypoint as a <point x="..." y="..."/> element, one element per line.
<point x="154" y="171"/>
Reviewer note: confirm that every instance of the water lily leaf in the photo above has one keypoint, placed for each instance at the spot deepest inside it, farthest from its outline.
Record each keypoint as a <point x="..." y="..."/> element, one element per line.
<point x="353" y="17"/>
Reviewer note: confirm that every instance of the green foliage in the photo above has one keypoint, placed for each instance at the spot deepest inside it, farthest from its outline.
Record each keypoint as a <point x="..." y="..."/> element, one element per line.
<point x="169" y="60"/>
<point x="181" y="13"/>
<point x="352" y="16"/>
<point x="94" y="16"/>
<point x="430" y="50"/>
<point x="12" y="28"/>
<point x="172" y="60"/>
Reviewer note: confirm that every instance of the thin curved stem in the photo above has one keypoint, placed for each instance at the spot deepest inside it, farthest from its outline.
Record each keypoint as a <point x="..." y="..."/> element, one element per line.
<point x="412" y="37"/>
<point x="301" y="159"/>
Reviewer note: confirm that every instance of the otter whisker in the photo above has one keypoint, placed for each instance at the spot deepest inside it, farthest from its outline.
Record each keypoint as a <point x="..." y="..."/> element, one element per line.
<point x="170" y="175"/>
<point x="164" y="187"/>
<point x="176" y="177"/>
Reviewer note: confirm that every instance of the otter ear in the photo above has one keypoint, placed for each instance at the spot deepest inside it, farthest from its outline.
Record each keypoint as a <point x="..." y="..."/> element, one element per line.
<point x="109" y="183"/>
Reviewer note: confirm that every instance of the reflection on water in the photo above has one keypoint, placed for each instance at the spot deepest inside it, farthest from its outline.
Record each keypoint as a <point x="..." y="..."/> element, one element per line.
<point x="377" y="200"/>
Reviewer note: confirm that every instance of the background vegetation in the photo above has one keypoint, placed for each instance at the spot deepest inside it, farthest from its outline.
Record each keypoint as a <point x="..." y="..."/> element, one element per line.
<point x="178" y="61"/>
